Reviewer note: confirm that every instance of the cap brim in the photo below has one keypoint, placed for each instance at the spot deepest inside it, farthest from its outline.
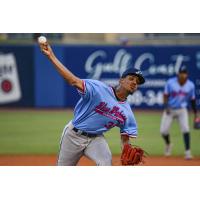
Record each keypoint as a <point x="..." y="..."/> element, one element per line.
<point x="141" y="78"/>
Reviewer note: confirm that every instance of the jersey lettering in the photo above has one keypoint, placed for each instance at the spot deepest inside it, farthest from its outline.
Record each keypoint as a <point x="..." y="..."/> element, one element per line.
<point x="113" y="113"/>
<point x="110" y="125"/>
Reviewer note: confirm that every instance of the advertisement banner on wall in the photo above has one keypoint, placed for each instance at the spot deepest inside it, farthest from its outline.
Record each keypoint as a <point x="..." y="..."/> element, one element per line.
<point x="16" y="75"/>
<point x="158" y="63"/>
<point x="10" y="90"/>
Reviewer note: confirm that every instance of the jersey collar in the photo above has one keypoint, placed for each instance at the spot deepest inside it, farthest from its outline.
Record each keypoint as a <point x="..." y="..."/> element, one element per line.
<point x="114" y="93"/>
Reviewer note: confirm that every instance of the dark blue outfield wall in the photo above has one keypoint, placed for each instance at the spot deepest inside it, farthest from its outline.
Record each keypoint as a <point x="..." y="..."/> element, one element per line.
<point x="35" y="83"/>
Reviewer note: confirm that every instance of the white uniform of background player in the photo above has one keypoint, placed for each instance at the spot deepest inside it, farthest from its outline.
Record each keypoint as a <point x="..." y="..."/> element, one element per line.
<point x="177" y="93"/>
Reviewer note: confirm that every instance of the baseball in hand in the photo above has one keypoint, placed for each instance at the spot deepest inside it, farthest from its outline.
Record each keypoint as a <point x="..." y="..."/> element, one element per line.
<point x="42" y="39"/>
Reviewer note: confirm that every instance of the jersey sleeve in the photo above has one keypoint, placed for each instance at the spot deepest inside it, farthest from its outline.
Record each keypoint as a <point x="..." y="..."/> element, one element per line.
<point x="129" y="128"/>
<point x="89" y="89"/>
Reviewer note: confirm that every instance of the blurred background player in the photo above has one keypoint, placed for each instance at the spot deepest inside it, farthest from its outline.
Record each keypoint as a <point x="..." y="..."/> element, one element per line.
<point x="177" y="93"/>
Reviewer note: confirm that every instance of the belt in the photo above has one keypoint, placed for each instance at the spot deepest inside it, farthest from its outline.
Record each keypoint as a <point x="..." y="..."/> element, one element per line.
<point x="84" y="133"/>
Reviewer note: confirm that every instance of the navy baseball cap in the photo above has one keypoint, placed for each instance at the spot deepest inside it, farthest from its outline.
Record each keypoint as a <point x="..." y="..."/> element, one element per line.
<point x="133" y="71"/>
<point x="183" y="69"/>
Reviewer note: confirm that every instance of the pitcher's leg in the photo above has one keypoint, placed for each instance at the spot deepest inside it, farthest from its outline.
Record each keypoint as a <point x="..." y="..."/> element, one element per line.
<point x="70" y="149"/>
<point x="98" y="151"/>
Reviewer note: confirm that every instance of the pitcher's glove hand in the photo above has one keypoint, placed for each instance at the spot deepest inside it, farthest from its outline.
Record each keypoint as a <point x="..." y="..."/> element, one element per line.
<point x="197" y="123"/>
<point x="132" y="155"/>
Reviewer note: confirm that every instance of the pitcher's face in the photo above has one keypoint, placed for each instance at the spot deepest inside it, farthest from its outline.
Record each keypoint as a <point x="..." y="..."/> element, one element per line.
<point x="129" y="83"/>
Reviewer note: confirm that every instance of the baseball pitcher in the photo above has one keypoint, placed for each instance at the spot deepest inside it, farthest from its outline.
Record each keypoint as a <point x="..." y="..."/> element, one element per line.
<point x="177" y="93"/>
<point x="99" y="109"/>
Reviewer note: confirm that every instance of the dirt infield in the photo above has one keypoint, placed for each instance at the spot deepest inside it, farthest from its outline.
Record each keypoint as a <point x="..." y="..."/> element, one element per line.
<point x="50" y="160"/>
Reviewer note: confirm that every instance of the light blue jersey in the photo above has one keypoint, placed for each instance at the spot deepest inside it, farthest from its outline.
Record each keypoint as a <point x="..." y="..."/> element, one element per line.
<point x="98" y="110"/>
<point x="179" y="95"/>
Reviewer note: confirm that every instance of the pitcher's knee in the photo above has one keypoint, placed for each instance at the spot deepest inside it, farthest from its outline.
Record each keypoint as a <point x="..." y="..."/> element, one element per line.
<point x="67" y="161"/>
<point x="63" y="162"/>
<point x="104" y="161"/>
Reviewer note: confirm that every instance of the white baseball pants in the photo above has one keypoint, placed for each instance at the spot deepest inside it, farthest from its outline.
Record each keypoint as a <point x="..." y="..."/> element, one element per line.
<point x="182" y="117"/>
<point x="73" y="146"/>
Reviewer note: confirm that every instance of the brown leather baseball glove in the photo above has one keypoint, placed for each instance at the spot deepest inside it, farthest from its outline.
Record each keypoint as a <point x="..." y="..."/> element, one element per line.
<point x="132" y="155"/>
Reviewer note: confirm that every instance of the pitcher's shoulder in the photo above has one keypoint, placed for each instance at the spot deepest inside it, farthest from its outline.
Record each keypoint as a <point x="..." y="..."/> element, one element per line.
<point x="96" y="84"/>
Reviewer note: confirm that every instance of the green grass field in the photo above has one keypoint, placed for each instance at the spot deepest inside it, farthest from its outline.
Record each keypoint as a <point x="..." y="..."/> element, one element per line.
<point x="38" y="132"/>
